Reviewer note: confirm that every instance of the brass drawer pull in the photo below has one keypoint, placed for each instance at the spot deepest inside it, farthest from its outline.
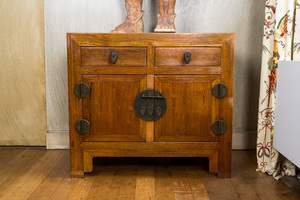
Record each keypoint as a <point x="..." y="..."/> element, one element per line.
<point x="187" y="57"/>
<point x="113" y="57"/>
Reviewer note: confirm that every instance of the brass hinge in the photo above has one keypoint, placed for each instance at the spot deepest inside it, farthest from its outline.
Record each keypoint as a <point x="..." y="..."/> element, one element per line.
<point x="220" y="90"/>
<point x="82" y="126"/>
<point x="81" y="90"/>
<point x="219" y="127"/>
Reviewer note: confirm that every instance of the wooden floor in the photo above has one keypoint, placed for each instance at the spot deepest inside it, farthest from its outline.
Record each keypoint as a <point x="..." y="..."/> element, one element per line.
<point x="36" y="173"/>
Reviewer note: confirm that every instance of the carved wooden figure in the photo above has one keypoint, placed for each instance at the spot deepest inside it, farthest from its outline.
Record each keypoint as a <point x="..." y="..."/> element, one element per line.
<point x="166" y="16"/>
<point x="134" y="19"/>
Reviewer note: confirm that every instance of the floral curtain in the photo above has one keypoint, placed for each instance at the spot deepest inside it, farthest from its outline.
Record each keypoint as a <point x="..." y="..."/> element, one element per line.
<point x="281" y="41"/>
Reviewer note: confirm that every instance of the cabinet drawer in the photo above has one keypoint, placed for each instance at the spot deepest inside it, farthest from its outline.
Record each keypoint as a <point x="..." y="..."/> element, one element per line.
<point x="101" y="56"/>
<point x="200" y="56"/>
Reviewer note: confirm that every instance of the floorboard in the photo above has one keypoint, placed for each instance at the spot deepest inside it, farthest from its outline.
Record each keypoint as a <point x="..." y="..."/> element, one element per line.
<point x="38" y="174"/>
<point x="26" y="184"/>
<point x="54" y="179"/>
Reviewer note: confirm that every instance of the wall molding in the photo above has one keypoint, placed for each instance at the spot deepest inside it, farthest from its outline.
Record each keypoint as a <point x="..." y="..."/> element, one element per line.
<point x="57" y="140"/>
<point x="241" y="140"/>
<point x="244" y="140"/>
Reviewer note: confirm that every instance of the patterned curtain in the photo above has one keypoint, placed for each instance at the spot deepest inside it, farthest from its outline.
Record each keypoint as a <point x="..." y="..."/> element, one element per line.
<point x="281" y="41"/>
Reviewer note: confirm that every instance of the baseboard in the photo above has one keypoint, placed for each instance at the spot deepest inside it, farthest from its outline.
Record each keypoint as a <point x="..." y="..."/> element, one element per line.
<point x="241" y="140"/>
<point x="57" y="140"/>
<point x="244" y="140"/>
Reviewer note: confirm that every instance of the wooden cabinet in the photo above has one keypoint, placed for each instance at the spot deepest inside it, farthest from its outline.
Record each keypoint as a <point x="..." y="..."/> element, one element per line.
<point x="193" y="73"/>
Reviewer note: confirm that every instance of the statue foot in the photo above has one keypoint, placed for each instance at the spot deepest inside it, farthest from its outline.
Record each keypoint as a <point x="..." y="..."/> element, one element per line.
<point x="131" y="26"/>
<point x="165" y="24"/>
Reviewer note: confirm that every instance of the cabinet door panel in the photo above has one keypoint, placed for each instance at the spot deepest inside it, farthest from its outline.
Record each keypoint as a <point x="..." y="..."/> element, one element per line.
<point x="109" y="108"/>
<point x="191" y="108"/>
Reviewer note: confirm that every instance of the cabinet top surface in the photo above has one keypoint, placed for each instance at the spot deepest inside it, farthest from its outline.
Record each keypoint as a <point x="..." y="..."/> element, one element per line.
<point x="155" y="39"/>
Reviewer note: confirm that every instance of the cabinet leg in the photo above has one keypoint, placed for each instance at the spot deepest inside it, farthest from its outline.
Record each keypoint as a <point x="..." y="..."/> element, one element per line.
<point x="224" y="164"/>
<point x="77" y="174"/>
<point x="87" y="162"/>
<point x="213" y="162"/>
<point x="76" y="163"/>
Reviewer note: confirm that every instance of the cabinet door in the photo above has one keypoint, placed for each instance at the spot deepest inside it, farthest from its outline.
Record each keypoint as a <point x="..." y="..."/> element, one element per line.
<point x="109" y="107"/>
<point x="191" y="108"/>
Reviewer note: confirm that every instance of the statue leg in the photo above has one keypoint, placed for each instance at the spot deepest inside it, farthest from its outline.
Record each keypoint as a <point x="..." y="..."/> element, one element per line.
<point x="166" y="16"/>
<point x="134" y="20"/>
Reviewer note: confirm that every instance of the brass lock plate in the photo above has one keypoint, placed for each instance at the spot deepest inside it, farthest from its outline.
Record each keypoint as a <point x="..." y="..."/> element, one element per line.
<point x="150" y="105"/>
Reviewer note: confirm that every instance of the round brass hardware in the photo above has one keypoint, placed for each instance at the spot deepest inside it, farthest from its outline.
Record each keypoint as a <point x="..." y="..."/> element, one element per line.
<point x="81" y="90"/>
<point x="82" y="126"/>
<point x="219" y="127"/>
<point x="220" y="90"/>
<point x="150" y="105"/>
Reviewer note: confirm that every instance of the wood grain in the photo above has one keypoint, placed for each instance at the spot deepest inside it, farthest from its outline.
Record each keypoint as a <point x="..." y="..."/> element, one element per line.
<point x="226" y="107"/>
<point x="12" y="171"/>
<point x="82" y="188"/>
<point x="174" y="56"/>
<point x="145" y="183"/>
<point x="53" y="180"/>
<point x="191" y="106"/>
<point x="109" y="108"/>
<point x="47" y="177"/>
<point x="142" y="70"/>
<point x="8" y="154"/>
<point x="163" y="183"/>
<point x="150" y="124"/>
<point x="156" y="149"/>
<point x="126" y="56"/>
<point x="75" y="108"/>
<point x="101" y="186"/>
<point x="22" y="188"/>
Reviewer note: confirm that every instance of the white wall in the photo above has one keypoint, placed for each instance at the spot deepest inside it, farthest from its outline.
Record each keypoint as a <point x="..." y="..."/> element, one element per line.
<point x="243" y="17"/>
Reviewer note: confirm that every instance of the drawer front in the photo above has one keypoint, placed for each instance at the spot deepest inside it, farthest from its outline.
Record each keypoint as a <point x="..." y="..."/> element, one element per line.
<point x="200" y="56"/>
<point x="125" y="56"/>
